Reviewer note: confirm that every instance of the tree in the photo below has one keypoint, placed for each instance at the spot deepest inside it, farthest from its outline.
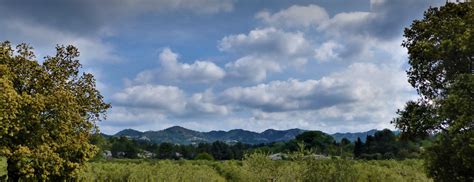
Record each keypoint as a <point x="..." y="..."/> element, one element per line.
<point x="124" y="147"/>
<point x="451" y="156"/>
<point x="221" y="151"/>
<point x="441" y="58"/>
<point x="166" y="151"/>
<point x="315" y="139"/>
<point x="440" y="47"/>
<point x="416" y="120"/>
<point x="48" y="112"/>
<point x="358" y="147"/>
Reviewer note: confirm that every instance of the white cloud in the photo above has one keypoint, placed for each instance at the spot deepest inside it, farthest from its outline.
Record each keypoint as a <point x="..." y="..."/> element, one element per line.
<point x="269" y="41"/>
<point x="364" y="92"/>
<point x="348" y="24"/>
<point x="205" y="103"/>
<point x="199" y="71"/>
<point x="44" y="39"/>
<point x="265" y="51"/>
<point x="172" y="70"/>
<point x="278" y="96"/>
<point x="295" y="16"/>
<point x="357" y="34"/>
<point x="327" y="51"/>
<point x="168" y="100"/>
<point x="162" y="98"/>
<point x="250" y="68"/>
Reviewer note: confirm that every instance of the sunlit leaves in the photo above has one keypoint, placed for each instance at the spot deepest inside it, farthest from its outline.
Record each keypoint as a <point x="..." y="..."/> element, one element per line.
<point x="48" y="112"/>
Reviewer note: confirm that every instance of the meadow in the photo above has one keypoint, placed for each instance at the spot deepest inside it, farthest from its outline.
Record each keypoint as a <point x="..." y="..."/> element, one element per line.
<point x="255" y="167"/>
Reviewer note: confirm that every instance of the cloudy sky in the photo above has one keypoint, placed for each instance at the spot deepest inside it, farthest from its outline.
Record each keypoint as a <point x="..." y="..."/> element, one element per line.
<point x="335" y="66"/>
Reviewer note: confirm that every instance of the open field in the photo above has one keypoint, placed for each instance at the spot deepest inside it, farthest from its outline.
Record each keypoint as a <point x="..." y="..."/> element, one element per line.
<point x="254" y="168"/>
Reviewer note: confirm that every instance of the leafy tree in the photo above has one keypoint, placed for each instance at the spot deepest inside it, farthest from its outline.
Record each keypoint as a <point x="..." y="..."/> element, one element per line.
<point x="48" y="111"/>
<point x="315" y="139"/>
<point x="416" y="120"/>
<point x="451" y="156"/>
<point x="238" y="150"/>
<point x="440" y="47"/>
<point x="221" y="151"/>
<point x="441" y="56"/>
<point x="124" y="147"/>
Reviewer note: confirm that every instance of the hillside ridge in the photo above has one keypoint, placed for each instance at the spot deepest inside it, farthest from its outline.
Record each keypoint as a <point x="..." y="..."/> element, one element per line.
<point x="181" y="135"/>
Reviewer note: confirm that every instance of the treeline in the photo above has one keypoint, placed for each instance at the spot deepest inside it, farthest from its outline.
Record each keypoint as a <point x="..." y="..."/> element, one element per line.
<point x="382" y="145"/>
<point x="386" y="145"/>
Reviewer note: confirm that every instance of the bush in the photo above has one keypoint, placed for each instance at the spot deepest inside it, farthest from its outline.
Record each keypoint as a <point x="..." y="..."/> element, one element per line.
<point x="204" y="156"/>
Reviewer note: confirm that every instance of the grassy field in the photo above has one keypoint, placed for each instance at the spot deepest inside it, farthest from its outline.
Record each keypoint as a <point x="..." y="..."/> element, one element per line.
<point x="254" y="168"/>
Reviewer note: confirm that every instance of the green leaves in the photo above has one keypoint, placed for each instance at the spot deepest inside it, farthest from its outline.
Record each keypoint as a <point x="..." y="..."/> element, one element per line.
<point x="441" y="56"/>
<point x="439" y="48"/>
<point x="47" y="112"/>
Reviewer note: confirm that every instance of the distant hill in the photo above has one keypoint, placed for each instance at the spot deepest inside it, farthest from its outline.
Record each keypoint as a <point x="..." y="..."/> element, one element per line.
<point x="180" y="135"/>
<point x="353" y="136"/>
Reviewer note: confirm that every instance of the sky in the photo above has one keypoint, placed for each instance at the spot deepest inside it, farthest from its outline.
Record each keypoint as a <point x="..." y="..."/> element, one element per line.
<point x="329" y="65"/>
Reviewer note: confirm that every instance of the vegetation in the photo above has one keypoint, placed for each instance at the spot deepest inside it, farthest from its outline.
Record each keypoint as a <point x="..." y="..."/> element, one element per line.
<point x="48" y="112"/>
<point x="441" y="58"/>
<point x="383" y="144"/>
<point x="255" y="167"/>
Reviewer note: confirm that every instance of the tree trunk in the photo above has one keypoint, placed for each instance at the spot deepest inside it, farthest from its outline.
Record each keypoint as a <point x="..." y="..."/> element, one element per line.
<point x="13" y="171"/>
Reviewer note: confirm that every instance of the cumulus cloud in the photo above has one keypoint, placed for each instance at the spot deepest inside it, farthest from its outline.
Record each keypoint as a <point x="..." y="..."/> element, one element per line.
<point x="327" y="51"/>
<point x="264" y="51"/>
<point x="162" y="98"/>
<point x="356" y="34"/>
<point x="168" y="100"/>
<point x="278" y="96"/>
<point x="251" y="68"/>
<point x="172" y="70"/>
<point x="266" y="41"/>
<point x="44" y="39"/>
<point x="365" y="95"/>
<point x="361" y="82"/>
<point x="295" y="16"/>
<point x="384" y="20"/>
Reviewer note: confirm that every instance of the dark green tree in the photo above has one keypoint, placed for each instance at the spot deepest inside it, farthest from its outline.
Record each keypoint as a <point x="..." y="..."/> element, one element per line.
<point x="358" y="147"/>
<point x="416" y="121"/>
<point x="125" y="148"/>
<point x="440" y="47"/>
<point x="441" y="58"/>
<point x="451" y="158"/>
<point x="166" y="151"/>
<point x="221" y="151"/>
<point x="315" y="140"/>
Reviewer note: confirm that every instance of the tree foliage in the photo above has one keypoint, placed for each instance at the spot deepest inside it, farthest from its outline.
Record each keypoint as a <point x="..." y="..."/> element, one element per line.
<point x="440" y="47"/>
<point x="48" y="111"/>
<point x="441" y="58"/>
<point x="316" y="140"/>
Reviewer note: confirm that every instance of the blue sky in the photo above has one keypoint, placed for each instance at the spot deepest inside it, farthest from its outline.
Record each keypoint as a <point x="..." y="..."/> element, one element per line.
<point x="335" y="66"/>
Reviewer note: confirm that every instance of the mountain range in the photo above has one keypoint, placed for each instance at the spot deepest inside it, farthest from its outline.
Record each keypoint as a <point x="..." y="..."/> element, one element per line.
<point x="180" y="135"/>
